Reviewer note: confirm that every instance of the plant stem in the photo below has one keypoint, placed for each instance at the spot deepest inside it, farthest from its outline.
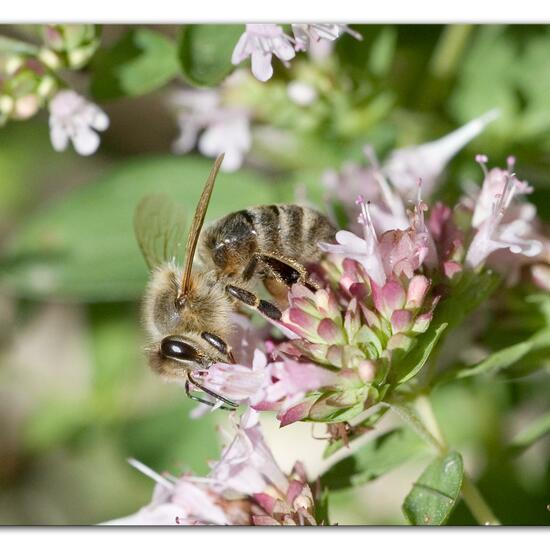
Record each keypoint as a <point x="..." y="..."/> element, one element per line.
<point x="470" y="493"/>
<point x="426" y="412"/>
<point x="476" y="503"/>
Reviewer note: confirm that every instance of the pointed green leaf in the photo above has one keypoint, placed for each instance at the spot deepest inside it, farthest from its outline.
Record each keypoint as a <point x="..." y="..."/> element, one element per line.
<point x="507" y="357"/>
<point x="413" y="361"/>
<point x="436" y="492"/>
<point x="375" y="458"/>
<point x="205" y="52"/>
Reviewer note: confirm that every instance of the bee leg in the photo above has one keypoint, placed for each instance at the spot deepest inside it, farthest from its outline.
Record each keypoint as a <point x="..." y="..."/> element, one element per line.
<point x="194" y="397"/>
<point x="218" y="344"/>
<point x="232" y="405"/>
<point x="287" y="271"/>
<point x="250" y="299"/>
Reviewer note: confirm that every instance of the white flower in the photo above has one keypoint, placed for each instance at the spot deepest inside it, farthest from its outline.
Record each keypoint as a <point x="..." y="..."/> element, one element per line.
<point x="230" y="136"/>
<point x="406" y="166"/>
<point x="224" y="129"/>
<point x="306" y="34"/>
<point x="301" y="93"/>
<point x="74" y="118"/>
<point x="260" y="42"/>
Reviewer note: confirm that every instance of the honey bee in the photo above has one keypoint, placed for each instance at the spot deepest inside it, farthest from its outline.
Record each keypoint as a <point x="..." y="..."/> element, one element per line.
<point x="186" y="311"/>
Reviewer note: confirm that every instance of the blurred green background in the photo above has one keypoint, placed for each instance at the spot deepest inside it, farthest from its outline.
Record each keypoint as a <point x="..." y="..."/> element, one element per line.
<point x="76" y="397"/>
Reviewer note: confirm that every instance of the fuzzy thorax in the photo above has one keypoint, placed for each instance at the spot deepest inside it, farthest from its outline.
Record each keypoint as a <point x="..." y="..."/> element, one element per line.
<point x="207" y="306"/>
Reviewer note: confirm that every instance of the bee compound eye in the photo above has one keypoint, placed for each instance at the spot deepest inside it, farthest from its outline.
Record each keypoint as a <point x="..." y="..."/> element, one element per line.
<point x="176" y="349"/>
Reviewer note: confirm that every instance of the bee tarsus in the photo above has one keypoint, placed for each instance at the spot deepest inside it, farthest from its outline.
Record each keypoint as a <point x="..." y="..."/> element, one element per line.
<point x="231" y="404"/>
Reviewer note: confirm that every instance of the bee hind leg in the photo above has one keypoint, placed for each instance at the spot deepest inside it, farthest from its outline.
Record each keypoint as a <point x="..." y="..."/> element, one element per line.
<point x="286" y="271"/>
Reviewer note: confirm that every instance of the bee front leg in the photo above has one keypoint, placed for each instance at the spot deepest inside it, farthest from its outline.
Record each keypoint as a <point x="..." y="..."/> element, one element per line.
<point x="218" y="344"/>
<point x="232" y="406"/>
<point x="250" y="299"/>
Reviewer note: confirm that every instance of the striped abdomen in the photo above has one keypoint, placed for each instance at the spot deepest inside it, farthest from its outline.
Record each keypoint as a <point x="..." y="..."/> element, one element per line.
<point x="287" y="230"/>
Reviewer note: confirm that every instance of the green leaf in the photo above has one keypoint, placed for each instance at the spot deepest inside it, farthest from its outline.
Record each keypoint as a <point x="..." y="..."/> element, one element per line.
<point x="375" y="458"/>
<point x="10" y="45"/>
<point x="205" y="52"/>
<point x="83" y="248"/>
<point x="507" y="357"/>
<point x="435" y="493"/>
<point x="140" y="62"/>
<point x="413" y="361"/>
<point x="533" y="433"/>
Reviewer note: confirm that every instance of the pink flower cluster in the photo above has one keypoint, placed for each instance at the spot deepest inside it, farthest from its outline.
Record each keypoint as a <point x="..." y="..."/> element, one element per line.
<point x="245" y="487"/>
<point x="380" y="286"/>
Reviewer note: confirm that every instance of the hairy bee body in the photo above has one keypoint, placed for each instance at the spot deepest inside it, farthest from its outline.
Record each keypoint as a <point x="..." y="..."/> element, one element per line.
<point x="287" y="231"/>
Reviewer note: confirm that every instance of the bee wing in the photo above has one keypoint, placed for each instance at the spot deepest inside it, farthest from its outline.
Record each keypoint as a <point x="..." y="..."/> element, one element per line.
<point x="159" y="225"/>
<point x="196" y="225"/>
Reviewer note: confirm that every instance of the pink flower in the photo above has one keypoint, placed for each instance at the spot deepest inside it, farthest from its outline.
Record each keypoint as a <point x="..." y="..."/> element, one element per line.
<point x="495" y="185"/>
<point x="238" y="383"/>
<point x="365" y="251"/>
<point x="245" y="486"/>
<point x="500" y="229"/>
<point x="260" y="42"/>
<point x="74" y="118"/>
<point x="247" y="464"/>
<point x="295" y="507"/>
<point x="292" y="380"/>
<point x="175" y="501"/>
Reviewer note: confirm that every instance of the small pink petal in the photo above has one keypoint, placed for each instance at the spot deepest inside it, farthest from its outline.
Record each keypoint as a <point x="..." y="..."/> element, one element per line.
<point x="298" y="412"/>
<point x="399" y="341"/>
<point x="367" y="371"/>
<point x="301" y="319"/>
<point x="401" y="320"/>
<point x="451" y="269"/>
<point x="422" y="322"/>
<point x="267" y="502"/>
<point x="388" y="298"/>
<point x="418" y="287"/>
<point x="329" y="331"/>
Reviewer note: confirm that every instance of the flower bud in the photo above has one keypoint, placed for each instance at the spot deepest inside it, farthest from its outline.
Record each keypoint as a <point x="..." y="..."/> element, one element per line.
<point x="69" y="46"/>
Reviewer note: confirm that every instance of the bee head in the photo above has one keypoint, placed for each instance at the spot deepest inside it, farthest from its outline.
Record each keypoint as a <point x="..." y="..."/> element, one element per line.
<point x="175" y="355"/>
